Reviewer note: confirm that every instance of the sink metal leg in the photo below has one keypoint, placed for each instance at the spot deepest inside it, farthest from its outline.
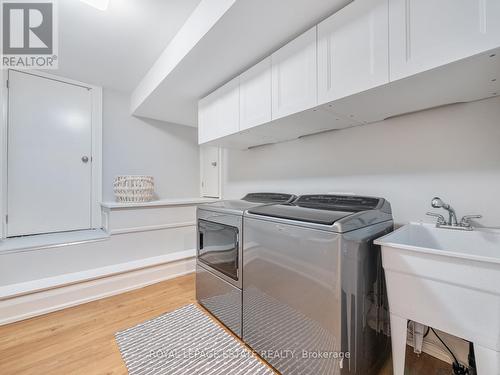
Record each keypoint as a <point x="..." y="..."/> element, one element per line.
<point x="398" y="338"/>
<point x="487" y="360"/>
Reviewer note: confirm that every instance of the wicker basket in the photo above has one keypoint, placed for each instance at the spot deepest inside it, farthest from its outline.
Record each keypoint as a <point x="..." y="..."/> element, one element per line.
<point x="134" y="188"/>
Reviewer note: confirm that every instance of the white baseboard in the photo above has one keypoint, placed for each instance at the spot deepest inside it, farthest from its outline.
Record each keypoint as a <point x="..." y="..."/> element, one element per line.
<point x="43" y="302"/>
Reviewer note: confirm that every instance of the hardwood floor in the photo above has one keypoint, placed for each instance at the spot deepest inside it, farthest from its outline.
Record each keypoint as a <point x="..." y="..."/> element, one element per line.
<point x="80" y="340"/>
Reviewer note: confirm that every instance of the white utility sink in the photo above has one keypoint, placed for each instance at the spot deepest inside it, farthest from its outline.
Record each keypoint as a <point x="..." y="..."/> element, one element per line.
<point x="449" y="280"/>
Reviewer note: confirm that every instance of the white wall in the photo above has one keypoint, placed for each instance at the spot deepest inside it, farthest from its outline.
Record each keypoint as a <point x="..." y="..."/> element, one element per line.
<point x="133" y="145"/>
<point x="452" y="152"/>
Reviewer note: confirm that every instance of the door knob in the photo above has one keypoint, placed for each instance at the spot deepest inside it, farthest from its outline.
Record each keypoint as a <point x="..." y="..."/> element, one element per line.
<point x="214" y="164"/>
<point x="85" y="158"/>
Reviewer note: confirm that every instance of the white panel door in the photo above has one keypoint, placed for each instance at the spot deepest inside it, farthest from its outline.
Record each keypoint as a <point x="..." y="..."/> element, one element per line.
<point x="210" y="171"/>
<point x="425" y="34"/>
<point x="353" y="50"/>
<point x="255" y="95"/>
<point x="294" y="81"/>
<point x="49" y="137"/>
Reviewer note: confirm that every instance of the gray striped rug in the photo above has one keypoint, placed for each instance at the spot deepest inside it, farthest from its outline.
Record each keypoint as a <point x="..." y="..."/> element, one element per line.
<point x="185" y="341"/>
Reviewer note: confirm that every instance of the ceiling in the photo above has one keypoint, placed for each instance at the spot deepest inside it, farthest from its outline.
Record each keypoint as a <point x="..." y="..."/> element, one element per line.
<point x="115" y="48"/>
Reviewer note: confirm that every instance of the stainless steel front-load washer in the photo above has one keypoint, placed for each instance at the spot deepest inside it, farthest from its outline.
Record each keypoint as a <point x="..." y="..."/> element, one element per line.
<point x="314" y="299"/>
<point x="219" y="255"/>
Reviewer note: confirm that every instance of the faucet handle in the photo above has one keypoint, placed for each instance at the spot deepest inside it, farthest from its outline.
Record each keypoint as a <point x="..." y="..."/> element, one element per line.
<point x="440" y="218"/>
<point x="465" y="222"/>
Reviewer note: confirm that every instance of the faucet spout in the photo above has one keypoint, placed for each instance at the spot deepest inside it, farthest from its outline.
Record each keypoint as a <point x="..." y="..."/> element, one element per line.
<point x="452" y="223"/>
<point x="452" y="216"/>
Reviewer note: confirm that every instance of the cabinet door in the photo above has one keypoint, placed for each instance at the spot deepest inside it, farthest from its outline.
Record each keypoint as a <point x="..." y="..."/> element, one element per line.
<point x="228" y="109"/>
<point x="353" y="50"/>
<point x="218" y="113"/>
<point x="207" y="130"/>
<point x="425" y="34"/>
<point x="294" y="81"/>
<point x="255" y="95"/>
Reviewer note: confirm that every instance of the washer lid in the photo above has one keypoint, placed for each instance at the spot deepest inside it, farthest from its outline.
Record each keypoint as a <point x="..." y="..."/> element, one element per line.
<point x="336" y="213"/>
<point x="331" y="202"/>
<point x="238" y="206"/>
<point x="307" y="215"/>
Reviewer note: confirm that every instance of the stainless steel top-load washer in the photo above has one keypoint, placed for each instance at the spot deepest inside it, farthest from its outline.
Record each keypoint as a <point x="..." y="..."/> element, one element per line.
<point x="219" y="254"/>
<point x="314" y="299"/>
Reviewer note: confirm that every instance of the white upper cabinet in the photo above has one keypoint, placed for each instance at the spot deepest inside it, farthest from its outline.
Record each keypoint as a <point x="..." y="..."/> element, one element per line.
<point x="219" y="113"/>
<point x="353" y="50"/>
<point x="352" y="65"/>
<point x="206" y="119"/>
<point x="425" y="34"/>
<point x="294" y="80"/>
<point x="228" y="108"/>
<point x="255" y="95"/>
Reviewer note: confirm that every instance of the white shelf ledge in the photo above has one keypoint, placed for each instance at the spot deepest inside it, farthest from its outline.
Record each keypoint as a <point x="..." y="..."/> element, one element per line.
<point x="158" y="203"/>
<point x="43" y="241"/>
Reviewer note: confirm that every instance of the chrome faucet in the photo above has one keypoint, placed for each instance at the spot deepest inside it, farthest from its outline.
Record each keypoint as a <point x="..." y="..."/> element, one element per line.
<point x="452" y="223"/>
<point x="452" y="216"/>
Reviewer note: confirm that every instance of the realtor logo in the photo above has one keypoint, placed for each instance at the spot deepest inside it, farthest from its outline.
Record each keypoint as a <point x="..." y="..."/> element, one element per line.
<point x="29" y="34"/>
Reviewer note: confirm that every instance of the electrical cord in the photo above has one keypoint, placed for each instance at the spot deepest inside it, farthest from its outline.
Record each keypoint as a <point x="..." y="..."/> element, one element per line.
<point x="427" y="332"/>
<point x="458" y="369"/>
<point x="446" y="346"/>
